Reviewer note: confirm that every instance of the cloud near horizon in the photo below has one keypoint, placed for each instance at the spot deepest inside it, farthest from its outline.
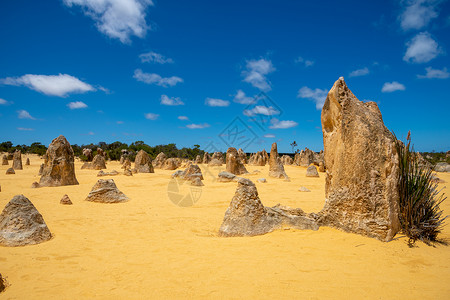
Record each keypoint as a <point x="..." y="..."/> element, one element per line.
<point x="256" y="72"/>
<point x="152" y="78"/>
<point x="318" y="96"/>
<point x="52" y="85"/>
<point x="393" y="86"/>
<point x="118" y="19"/>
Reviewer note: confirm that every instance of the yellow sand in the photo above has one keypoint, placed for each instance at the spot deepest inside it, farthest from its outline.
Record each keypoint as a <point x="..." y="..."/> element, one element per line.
<point x="151" y="248"/>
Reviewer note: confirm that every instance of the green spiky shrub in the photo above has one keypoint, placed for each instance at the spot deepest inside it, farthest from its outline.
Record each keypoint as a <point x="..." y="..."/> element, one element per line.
<point x="419" y="203"/>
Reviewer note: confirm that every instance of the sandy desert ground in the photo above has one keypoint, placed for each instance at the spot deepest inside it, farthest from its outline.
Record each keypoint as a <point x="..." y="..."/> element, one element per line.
<point x="151" y="248"/>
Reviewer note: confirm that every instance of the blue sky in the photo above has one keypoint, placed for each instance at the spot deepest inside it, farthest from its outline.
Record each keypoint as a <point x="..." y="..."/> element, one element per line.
<point x="187" y="72"/>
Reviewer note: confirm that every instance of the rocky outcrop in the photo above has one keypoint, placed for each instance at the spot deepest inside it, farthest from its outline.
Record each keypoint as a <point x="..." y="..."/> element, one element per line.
<point x="218" y="156"/>
<point x="41" y="170"/>
<point x="59" y="168"/>
<point x="2" y="283"/>
<point x="98" y="163"/>
<point x="143" y="163"/>
<point x="88" y="153"/>
<point x="106" y="191"/>
<point x="242" y="156"/>
<point x="102" y="173"/>
<point x="170" y="164"/>
<point x="321" y="167"/>
<point x="5" y="161"/>
<point x="206" y="158"/>
<point x="198" y="159"/>
<point x="257" y="159"/>
<point x="214" y="163"/>
<point x="303" y="189"/>
<point x="65" y="200"/>
<point x="21" y="224"/>
<point x="10" y="171"/>
<point x="361" y="167"/>
<point x="17" y="160"/>
<point x="234" y="162"/>
<point x="442" y="167"/>
<point x="276" y="168"/>
<point x="35" y="185"/>
<point x="306" y="157"/>
<point x="226" y="177"/>
<point x="247" y="216"/>
<point x="287" y="160"/>
<point x="192" y="173"/>
<point x="312" y="171"/>
<point x="159" y="160"/>
<point x="126" y="164"/>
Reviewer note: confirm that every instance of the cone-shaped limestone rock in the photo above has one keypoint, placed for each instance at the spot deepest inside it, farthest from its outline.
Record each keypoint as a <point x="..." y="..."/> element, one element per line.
<point x="312" y="171"/>
<point x="242" y="156"/>
<point x="106" y="191"/>
<point x="59" y="166"/>
<point x="41" y="170"/>
<point x="170" y="164"/>
<point x="286" y="160"/>
<point x="2" y="284"/>
<point x="21" y="224"/>
<point x="234" y="162"/>
<point x="247" y="216"/>
<point x="5" y="161"/>
<point x="159" y="160"/>
<point x="361" y="167"/>
<point x="276" y="168"/>
<point x="206" y="158"/>
<point x="10" y="171"/>
<point x="198" y="159"/>
<point x="17" y="160"/>
<point x="27" y="162"/>
<point x="218" y="156"/>
<point x="65" y="200"/>
<point x="98" y="163"/>
<point x="143" y="163"/>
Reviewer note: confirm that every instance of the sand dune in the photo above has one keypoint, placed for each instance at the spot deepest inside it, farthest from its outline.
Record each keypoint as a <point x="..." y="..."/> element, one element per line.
<point x="150" y="248"/>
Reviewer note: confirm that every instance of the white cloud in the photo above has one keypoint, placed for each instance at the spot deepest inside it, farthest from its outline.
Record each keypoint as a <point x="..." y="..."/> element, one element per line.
<point x="53" y="85"/>
<point x="269" y="135"/>
<point x="172" y="101"/>
<point x="318" y="96"/>
<point x="23" y="114"/>
<point x="217" y="102"/>
<point x="183" y="118"/>
<point x="153" y="57"/>
<point x="151" y="78"/>
<point x="277" y="124"/>
<point x="119" y="19"/>
<point x="77" y="105"/>
<point x="421" y="49"/>
<point x="306" y="62"/>
<point x="198" y="126"/>
<point x="359" y="72"/>
<point x="25" y="129"/>
<point x="151" y="116"/>
<point x="390" y="87"/>
<point x="418" y="13"/>
<point x="241" y="98"/>
<point x="3" y="102"/>
<point x="435" y="73"/>
<point x="261" y="110"/>
<point x="256" y="72"/>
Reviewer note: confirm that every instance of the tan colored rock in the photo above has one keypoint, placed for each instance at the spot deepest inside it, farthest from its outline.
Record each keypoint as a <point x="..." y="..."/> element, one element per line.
<point x="17" y="160"/>
<point x="27" y="162"/>
<point x="2" y="283"/>
<point x="276" y="168"/>
<point x="159" y="160"/>
<point x="106" y="191"/>
<point x="242" y="156"/>
<point x="257" y="159"/>
<point x="127" y="172"/>
<point x="170" y="164"/>
<point x="247" y="216"/>
<point x="10" y="171"/>
<point x="321" y="167"/>
<point x="143" y="163"/>
<point x="126" y="164"/>
<point x="287" y="160"/>
<point x="306" y="157"/>
<point x="215" y="163"/>
<point x="59" y="168"/>
<point x="361" y="167"/>
<point x="41" y="170"/>
<point x="65" y="200"/>
<point x="21" y="224"/>
<point x="312" y="171"/>
<point x="198" y="159"/>
<point x="197" y="182"/>
<point x="103" y="173"/>
<point x="5" y="160"/>
<point x="218" y="156"/>
<point x="35" y="185"/>
<point x="234" y="162"/>
<point x="88" y="153"/>
<point x="206" y="158"/>
<point x="98" y="163"/>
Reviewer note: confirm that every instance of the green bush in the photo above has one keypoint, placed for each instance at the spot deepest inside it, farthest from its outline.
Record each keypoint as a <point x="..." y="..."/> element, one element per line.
<point x="420" y="215"/>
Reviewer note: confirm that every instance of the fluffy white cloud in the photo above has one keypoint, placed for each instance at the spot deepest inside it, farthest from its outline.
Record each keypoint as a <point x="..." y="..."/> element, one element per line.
<point x="151" y="116"/>
<point x="3" y="102"/>
<point x="151" y="78"/>
<point x="269" y="135"/>
<point x="172" y="101"/>
<point x="53" y="85"/>
<point x="256" y="71"/>
<point x="277" y="124"/>
<point x="25" y="129"/>
<point x="198" y="126"/>
<point x="359" y="72"/>
<point x="421" y="49"/>
<point x="119" y="19"/>
<point x="241" y="98"/>
<point x="435" y="73"/>
<point x="23" y="114"/>
<point x="390" y="87"/>
<point x="318" y="96"/>
<point x="77" y="105"/>
<point x="153" y="57"/>
<point x="306" y="62"/>
<point x="217" y="102"/>
<point x="183" y="118"/>
<point x="261" y="110"/>
<point x="417" y="14"/>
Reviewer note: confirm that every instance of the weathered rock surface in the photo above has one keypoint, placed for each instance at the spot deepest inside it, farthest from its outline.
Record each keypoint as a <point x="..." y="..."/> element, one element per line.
<point x="41" y="170"/>
<point x="276" y="168"/>
<point x="442" y="167"/>
<point x="17" y="160"/>
<point x="197" y="182"/>
<point x="143" y="163"/>
<point x="106" y="191"/>
<point x="198" y="159"/>
<point x="234" y="162"/>
<point x="287" y="160"/>
<point x="206" y="158"/>
<point x="65" y="200"/>
<point x="159" y="160"/>
<point x="170" y="164"/>
<point x="98" y="163"/>
<point x="242" y="156"/>
<point x="257" y="159"/>
<point x="312" y="171"/>
<point x="5" y="161"/>
<point x="226" y="177"/>
<point x="262" y="180"/>
<point x="218" y="156"/>
<point x="303" y="189"/>
<point x="27" y="162"/>
<point x="35" y="185"/>
<point x="361" y="167"/>
<point x="321" y="167"/>
<point x="88" y="153"/>
<point x="103" y="173"/>
<point x="246" y="215"/>
<point x="127" y="172"/>
<point x="10" y="171"/>
<point x="2" y="283"/>
<point x="59" y="168"/>
<point x="126" y="164"/>
<point x="215" y="163"/>
<point x="21" y="224"/>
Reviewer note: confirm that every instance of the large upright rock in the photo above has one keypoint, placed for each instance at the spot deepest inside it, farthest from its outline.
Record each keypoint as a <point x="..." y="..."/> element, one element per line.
<point x="242" y="156"/>
<point x="198" y="159"/>
<point x="361" y="167"/>
<point x="5" y="160"/>
<point x="234" y="162"/>
<point x="159" y="160"/>
<point x="276" y="168"/>
<point x="218" y="156"/>
<point x="17" y="160"/>
<point x="143" y="163"/>
<point x="21" y="224"/>
<point x="306" y="157"/>
<point x="59" y="166"/>
<point x="206" y="158"/>
<point x="258" y="159"/>
<point x="98" y="162"/>
<point x="247" y="216"/>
